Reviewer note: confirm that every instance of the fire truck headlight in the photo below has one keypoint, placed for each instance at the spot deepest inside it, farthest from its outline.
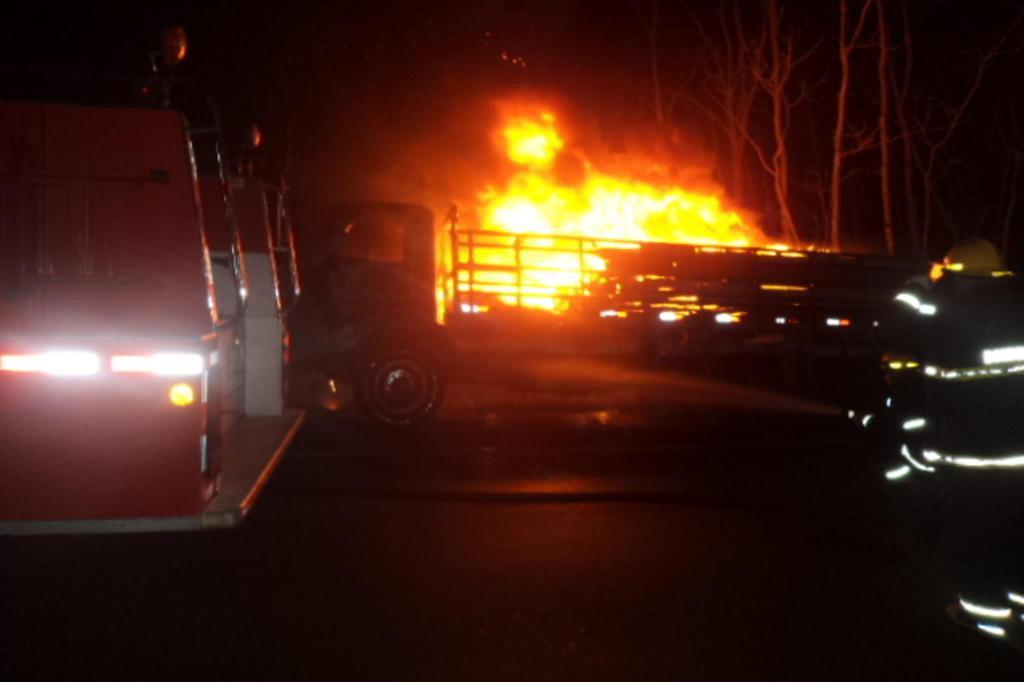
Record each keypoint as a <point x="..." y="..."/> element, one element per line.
<point x="57" y="363"/>
<point x="182" y="395"/>
<point x="72" y="363"/>
<point x="160" y="364"/>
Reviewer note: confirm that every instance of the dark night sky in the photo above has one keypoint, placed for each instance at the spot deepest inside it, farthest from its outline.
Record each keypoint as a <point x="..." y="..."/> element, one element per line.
<point x="387" y="99"/>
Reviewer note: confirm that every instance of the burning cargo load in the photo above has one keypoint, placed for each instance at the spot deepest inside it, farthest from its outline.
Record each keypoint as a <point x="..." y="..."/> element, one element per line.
<point x="543" y="236"/>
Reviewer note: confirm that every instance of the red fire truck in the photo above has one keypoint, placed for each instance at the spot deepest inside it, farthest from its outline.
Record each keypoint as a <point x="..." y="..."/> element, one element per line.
<point x="141" y="318"/>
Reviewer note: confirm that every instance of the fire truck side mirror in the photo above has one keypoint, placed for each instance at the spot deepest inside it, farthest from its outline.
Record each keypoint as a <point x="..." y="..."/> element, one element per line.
<point x="251" y="144"/>
<point x="174" y="45"/>
<point x="253" y="138"/>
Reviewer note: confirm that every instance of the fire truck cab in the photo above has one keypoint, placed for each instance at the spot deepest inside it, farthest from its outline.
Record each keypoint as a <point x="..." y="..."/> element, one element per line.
<point x="140" y="372"/>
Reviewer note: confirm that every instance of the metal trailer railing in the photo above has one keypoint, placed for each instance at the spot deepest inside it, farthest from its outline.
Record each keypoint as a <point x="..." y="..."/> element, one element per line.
<point x="680" y="276"/>
<point x="503" y="270"/>
<point x="517" y="270"/>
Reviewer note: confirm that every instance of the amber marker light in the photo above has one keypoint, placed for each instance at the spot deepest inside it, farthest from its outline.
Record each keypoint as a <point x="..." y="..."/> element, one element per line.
<point x="182" y="394"/>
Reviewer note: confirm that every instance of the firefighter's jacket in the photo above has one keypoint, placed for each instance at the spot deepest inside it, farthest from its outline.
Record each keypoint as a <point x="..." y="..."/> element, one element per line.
<point x="959" y="343"/>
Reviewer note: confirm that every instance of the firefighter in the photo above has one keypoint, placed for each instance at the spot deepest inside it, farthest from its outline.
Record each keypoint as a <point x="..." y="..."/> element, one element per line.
<point x="955" y="370"/>
<point x="950" y="341"/>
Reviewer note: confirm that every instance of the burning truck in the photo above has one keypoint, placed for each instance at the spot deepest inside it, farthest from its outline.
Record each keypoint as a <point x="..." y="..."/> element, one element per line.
<point x="569" y="259"/>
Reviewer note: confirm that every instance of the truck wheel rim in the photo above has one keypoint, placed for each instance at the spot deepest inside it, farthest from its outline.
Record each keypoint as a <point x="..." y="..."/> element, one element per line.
<point x="402" y="387"/>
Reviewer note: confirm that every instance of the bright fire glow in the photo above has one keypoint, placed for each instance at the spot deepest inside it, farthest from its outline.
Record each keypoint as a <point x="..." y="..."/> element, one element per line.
<point x="533" y="142"/>
<point x="557" y="192"/>
<point x="599" y="204"/>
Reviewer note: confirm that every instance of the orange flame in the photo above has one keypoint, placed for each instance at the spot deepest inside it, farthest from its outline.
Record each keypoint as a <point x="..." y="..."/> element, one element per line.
<point x="533" y="143"/>
<point x="558" y="192"/>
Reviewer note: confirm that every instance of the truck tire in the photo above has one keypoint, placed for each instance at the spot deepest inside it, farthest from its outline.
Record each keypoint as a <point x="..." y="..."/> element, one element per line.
<point x="399" y="387"/>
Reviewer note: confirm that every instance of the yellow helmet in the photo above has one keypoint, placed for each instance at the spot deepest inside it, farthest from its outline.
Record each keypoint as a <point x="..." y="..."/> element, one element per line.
<point x="975" y="258"/>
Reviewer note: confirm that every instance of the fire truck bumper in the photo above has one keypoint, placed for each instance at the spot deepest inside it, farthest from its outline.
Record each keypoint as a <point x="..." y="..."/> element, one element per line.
<point x="250" y="453"/>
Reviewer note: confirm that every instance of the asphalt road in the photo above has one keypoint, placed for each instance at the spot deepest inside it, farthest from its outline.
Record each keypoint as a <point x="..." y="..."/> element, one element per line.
<point x="646" y="544"/>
